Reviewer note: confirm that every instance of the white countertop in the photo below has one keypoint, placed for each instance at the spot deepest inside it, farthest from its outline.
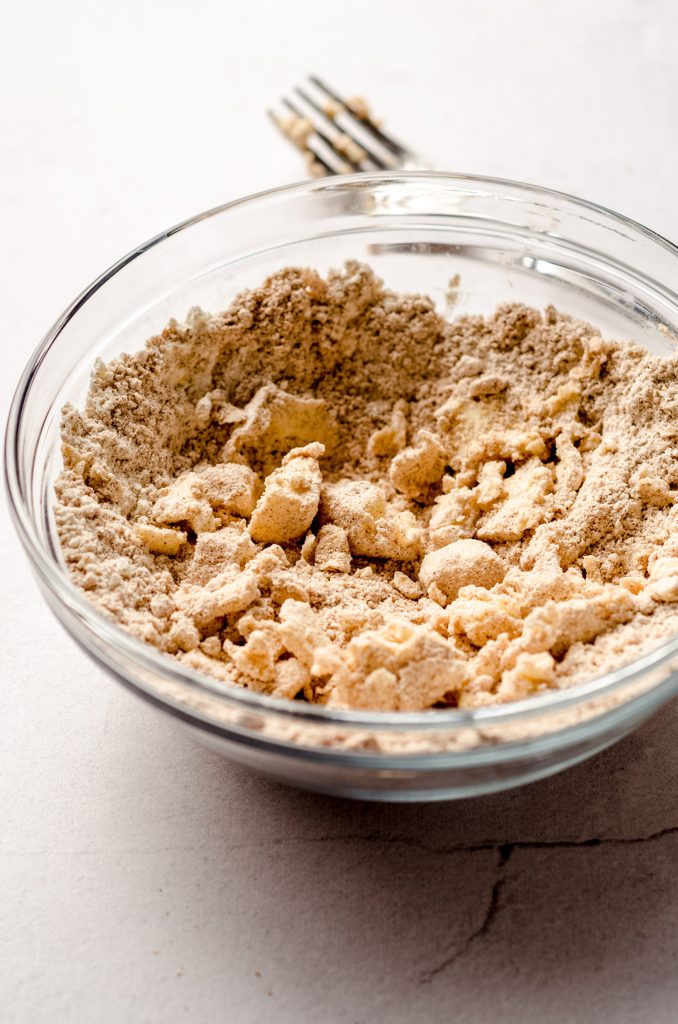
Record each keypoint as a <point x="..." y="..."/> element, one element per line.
<point x="145" y="880"/>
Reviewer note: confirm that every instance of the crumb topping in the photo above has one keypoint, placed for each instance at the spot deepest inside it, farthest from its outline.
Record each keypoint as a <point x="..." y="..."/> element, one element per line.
<point x="331" y="493"/>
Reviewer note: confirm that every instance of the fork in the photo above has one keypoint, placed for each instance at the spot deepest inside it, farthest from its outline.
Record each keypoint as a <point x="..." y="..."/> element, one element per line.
<point x="339" y="136"/>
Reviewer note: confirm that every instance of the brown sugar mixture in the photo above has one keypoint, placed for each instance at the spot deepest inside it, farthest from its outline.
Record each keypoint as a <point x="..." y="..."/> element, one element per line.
<point x="331" y="493"/>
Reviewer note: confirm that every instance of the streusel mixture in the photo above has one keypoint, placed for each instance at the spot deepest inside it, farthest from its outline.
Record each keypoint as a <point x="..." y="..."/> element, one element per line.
<point x="329" y="492"/>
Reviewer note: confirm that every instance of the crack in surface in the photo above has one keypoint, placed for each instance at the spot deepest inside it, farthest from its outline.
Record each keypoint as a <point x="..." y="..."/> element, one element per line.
<point x="505" y="853"/>
<point x="486" y="846"/>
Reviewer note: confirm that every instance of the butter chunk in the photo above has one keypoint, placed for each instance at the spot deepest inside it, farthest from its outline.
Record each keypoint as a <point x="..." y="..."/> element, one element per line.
<point x="289" y="503"/>
<point x="460" y="564"/>
<point x="159" y="540"/>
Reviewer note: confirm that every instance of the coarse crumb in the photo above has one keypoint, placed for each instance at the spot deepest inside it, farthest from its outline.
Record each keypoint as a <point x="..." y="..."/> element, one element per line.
<point x="330" y="493"/>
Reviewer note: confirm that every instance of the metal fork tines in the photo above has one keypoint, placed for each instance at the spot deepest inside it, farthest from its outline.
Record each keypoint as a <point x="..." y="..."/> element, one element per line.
<point x="338" y="136"/>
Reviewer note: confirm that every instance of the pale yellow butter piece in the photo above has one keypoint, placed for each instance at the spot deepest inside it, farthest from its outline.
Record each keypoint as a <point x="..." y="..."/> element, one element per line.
<point x="160" y="540"/>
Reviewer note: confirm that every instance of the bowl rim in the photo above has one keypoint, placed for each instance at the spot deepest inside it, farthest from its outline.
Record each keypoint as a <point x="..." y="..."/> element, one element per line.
<point x="58" y="582"/>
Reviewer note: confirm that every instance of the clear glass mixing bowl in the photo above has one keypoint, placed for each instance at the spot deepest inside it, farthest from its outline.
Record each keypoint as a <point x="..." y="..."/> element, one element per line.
<point x="507" y="241"/>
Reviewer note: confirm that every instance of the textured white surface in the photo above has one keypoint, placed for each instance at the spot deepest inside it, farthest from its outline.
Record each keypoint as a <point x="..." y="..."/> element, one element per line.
<point x="144" y="880"/>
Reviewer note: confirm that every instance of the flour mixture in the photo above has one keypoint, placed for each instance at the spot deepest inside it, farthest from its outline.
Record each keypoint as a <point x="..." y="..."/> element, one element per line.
<point x="330" y="493"/>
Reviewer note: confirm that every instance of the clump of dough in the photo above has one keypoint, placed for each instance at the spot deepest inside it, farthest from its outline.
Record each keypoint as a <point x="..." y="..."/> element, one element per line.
<point x="663" y="581"/>
<point x="290" y="678"/>
<point x="226" y="489"/>
<point x="454" y="516"/>
<point x="360" y="509"/>
<point x="301" y="632"/>
<point x="332" y="553"/>
<point x="481" y="616"/>
<point x="460" y="564"/>
<point x="229" y="592"/>
<point x="258" y="657"/>
<point x="290" y="499"/>
<point x="231" y="545"/>
<point x="184" y="501"/>
<point x="275" y="421"/>
<point x="406" y="586"/>
<point x="401" y="667"/>
<point x="531" y="672"/>
<point x="231" y="489"/>
<point x="524" y="506"/>
<point x="389" y="440"/>
<point x="415" y="470"/>
<point x="651" y="489"/>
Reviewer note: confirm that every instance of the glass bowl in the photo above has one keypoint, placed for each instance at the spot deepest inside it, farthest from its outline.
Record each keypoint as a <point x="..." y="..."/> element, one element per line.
<point x="507" y="241"/>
